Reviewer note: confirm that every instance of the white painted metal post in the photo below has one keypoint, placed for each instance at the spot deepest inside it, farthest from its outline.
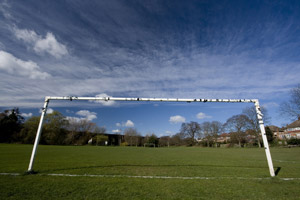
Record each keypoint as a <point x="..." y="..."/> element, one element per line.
<point x="264" y="137"/>
<point x="38" y="135"/>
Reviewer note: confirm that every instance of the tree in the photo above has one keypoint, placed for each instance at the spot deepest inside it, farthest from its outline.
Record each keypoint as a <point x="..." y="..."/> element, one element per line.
<point x="190" y="131"/>
<point x="80" y="131"/>
<point x="29" y="130"/>
<point x="101" y="139"/>
<point x="99" y="130"/>
<point x="11" y="123"/>
<point x="217" y="128"/>
<point x="211" y="131"/>
<point x="177" y="139"/>
<point x="269" y="134"/>
<point x="207" y="132"/>
<point x="152" y="139"/>
<point x="291" y="108"/>
<point x="54" y="130"/>
<point x="237" y="125"/>
<point x="55" y="125"/>
<point x="164" y="141"/>
<point x="250" y="112"/>
<point x="131" y="136"/>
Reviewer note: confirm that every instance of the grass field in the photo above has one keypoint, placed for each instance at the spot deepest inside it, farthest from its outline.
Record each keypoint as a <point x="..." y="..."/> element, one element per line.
<point x="148" y="173"/>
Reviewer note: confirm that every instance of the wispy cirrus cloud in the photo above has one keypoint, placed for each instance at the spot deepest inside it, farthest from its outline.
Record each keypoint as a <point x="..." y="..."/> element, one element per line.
<point x="2" y="46"/>
<point x="116" y="53"/>
<point x="4" y="6"/>
<point x="270" y="105"/>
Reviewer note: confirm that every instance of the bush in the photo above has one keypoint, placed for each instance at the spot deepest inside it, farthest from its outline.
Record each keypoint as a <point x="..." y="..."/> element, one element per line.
<point x="124" y="144"/>
<point x="293" y="141"/>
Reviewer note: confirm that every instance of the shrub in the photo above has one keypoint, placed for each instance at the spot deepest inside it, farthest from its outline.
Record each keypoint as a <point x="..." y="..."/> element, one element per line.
<point x="293" y="141"/>
<point x="124" y="144"/>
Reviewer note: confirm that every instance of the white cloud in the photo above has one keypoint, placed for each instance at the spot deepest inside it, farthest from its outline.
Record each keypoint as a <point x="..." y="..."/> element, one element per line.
<point x="202" y="115"/>
<point x="27" y="36"/>
<point x="9" y="112"/>
<point x="49" y="44"/>
<point x="49" y="110"/>
<point x="161" y="135"/>
<point x="87" y="114"/>
<point x="215" y="71"/>
<point x="75" y="119"/>
<point x="116" y="131"/>
<point x="129" y="123"/>
<point x="26" y="115"/>
<point x="105" y="103"/>
<point x="176" y="119"/>
<point x="15" y="66"/>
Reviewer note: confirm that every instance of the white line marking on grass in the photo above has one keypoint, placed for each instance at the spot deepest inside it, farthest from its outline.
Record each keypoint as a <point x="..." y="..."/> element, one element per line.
<point x="167" y="177"/>
<point x="286" y="161"/>
<point x="11" y="174"/>
<point x="131" y="176"/>
<point x="152" y="177"/>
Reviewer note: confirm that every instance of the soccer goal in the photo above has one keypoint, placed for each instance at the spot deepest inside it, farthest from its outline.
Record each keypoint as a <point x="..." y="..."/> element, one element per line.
<point x="254" y="101"/>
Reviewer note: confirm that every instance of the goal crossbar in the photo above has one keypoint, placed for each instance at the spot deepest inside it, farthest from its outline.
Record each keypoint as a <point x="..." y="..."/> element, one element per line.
<point x="71" y="98"/>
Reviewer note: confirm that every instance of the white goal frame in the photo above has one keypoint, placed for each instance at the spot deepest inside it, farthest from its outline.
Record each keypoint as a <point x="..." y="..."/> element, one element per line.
<point x="255" y="101"/>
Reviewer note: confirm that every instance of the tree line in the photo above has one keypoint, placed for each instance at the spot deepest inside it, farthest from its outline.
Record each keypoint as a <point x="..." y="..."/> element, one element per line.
<point x="242" y="128"/>
<point x="57" y="129"/>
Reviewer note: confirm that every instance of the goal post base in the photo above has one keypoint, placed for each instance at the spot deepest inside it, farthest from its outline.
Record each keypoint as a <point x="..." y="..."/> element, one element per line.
<point x="30" y="172"/>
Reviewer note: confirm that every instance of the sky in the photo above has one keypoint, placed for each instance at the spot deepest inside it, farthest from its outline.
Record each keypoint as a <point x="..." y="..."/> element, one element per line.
<point x="164" y="49"/>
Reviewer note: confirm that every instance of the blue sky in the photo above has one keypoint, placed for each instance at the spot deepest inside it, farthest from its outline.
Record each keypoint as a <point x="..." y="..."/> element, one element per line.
<point x="175" y="49"/>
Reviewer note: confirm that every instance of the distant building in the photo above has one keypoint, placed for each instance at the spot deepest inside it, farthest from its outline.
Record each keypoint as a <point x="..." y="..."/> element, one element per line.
<point x="293" y="130"/>
<point x="224" y="137"/>
<point x="112" y="140"/>
<point x="290" y="131"/>
<point x="277" y="132"/>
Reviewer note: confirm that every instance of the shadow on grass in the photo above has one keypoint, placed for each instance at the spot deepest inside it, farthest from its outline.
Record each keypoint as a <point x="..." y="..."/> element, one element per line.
<point x="134" y="165"/>
<point x="277" y="171"/>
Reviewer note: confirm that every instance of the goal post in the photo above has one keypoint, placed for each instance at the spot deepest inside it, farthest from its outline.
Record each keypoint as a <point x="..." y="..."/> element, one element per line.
<point x="254" y="101"/>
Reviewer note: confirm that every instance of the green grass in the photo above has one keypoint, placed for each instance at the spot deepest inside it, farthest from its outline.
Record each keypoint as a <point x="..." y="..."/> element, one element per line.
<point x="233" y="173"/>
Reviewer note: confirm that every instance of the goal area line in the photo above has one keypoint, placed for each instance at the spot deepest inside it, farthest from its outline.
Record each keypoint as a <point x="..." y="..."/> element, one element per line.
<point x="196" y="100"/>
